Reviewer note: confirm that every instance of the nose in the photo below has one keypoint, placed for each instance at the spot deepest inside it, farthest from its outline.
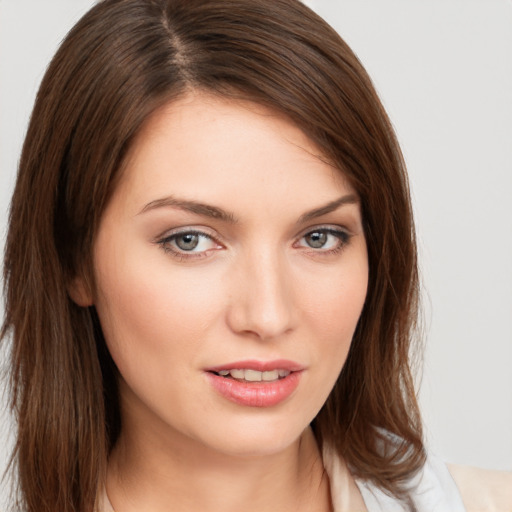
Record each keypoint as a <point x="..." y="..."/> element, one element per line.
<point x="262" y="302"/>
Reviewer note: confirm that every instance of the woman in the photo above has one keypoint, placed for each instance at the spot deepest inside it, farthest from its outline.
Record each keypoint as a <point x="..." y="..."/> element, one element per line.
<point x="211" y="272"/>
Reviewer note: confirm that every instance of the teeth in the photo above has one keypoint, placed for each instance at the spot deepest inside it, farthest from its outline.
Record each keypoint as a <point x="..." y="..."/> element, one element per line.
<point x="237" y="374"/>
<point x="254" y="375"/>
<point x="270" y="376"/>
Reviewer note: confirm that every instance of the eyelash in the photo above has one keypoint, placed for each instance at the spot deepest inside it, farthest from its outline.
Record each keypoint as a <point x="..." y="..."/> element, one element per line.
<point x="342" y="236"/>
<point x="165" y="243"/>
<point x="180" y="255"/>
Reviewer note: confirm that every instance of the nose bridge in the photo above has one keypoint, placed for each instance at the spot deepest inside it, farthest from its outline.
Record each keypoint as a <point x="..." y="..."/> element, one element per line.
<point x="263" y="298"/>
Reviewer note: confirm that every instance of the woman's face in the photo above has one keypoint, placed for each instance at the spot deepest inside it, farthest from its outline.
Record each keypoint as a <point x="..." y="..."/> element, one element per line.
<point x="231" y="270"/>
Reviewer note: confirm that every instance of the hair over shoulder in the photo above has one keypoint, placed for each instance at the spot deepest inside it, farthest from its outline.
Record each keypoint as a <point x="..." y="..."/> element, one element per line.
<point x="120" y="63"/>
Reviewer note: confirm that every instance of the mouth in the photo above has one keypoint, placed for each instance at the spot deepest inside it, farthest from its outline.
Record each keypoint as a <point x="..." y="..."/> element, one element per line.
<point x="256" y="383"/>
<point x="257" y="371"/>
<point x="249" y="375"/>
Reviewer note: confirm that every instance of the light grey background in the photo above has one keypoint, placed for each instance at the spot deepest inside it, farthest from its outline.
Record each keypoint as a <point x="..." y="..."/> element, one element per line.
<point x="444" y="72"/>
<point x="443" y="69"/>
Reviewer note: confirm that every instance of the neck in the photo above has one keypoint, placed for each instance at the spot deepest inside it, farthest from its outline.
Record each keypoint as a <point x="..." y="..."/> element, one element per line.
<point x="147" y="473"/>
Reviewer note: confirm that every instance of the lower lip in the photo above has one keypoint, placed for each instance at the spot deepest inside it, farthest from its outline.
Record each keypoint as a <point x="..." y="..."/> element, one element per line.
<point x="255" y="394"/>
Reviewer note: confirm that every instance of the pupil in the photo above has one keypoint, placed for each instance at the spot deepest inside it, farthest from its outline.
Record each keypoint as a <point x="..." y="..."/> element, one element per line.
<point x="187" y="242"/>
<point x="317" y="239"/>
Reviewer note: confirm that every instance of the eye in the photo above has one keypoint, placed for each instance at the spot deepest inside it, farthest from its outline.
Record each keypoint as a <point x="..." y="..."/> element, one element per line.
<point x="325" y="239"/>
<point x="187" y="244"/>
<point x="188" y="241"/>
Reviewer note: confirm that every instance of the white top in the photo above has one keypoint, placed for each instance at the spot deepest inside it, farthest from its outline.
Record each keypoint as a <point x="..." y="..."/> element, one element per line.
<point x="431" y="490"/>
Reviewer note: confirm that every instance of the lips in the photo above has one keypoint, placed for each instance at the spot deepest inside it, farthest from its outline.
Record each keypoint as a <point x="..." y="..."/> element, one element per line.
<point x="256" y="383"/>
<point x="260" y="366"/>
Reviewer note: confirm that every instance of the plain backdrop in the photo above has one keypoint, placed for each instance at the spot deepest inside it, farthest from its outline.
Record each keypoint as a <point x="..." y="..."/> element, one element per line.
<point x="443" y="69"/>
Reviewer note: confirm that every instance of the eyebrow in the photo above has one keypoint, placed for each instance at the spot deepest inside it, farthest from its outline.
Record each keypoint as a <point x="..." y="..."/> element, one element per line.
<point x="214" y="212"/>
<point x="328" y="208"/>
<point x="205" y="210"/>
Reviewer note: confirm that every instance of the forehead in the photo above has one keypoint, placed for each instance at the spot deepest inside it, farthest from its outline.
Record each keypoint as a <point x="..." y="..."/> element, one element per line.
<point x="219" y="149"/>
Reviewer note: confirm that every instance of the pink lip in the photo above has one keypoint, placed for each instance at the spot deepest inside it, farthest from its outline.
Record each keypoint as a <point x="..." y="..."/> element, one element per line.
<point x="260" y="366"/>
<point x="256" y="394"/>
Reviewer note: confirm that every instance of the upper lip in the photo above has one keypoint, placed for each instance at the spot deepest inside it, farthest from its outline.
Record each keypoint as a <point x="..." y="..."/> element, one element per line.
<point x="261" y="366"/>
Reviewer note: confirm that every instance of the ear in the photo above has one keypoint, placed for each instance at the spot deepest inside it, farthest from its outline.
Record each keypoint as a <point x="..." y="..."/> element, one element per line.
<point x="80" y="292"/>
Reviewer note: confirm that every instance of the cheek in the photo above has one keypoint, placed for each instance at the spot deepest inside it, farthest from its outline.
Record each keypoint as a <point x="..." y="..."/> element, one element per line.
<point x="335" y="300"/>
<point x="332" y="302"/>
<point x="152" y="312"/>
<point x="333" y="311"/>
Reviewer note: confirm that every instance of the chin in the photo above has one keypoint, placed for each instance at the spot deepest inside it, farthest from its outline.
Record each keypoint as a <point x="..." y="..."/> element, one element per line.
<point x="254" y="437"/>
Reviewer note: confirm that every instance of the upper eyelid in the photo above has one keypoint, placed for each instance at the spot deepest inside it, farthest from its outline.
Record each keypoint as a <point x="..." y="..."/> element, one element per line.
<point x="343" y="234"/>
<point x="204" y="231"/>
<point x="325" y="227"/>
<point x="165" y="242"/>
<point x="169" y="233"/>
<point x="208" y="233"/>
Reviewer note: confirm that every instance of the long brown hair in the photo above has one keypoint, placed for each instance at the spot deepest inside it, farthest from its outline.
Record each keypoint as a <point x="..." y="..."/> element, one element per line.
<point x="122" y="61"/>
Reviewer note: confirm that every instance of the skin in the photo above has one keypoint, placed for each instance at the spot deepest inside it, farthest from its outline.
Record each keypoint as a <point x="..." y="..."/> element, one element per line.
<point x="253" y="288"/>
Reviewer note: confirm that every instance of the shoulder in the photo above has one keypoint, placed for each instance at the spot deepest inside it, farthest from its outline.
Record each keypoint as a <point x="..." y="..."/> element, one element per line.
<point x="435" y="487"/>
<point x="482" y="489"/>
<point x="431" y="489"/>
